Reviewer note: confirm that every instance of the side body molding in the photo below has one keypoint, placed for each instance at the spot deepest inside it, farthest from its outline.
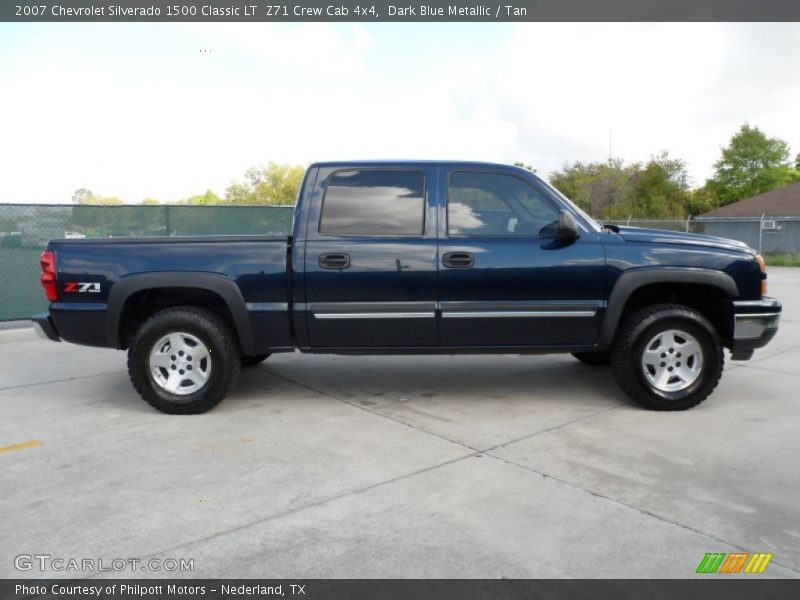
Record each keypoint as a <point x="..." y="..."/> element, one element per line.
<point x="634" y="279"/>
<point x="219" y="284"/>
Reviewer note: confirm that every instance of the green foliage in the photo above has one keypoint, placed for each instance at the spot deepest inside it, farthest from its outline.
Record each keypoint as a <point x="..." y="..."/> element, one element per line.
<point x="701" y="201"/>
<point x="614" y="190"/>
<point x="791" y="259"/>
<point x="209" y="198"/>
<point x="86" y="197"/>
<point x="751" y="164"/>
<point x="271" y="185"/>
<point x="83" y="196"/>
<point x="661" y="188"/>
<point x="525" y="166"/>
<point x="598" y="188"/>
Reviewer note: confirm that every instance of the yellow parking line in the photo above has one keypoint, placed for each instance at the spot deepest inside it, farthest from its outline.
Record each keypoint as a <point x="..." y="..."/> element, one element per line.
<point x="22" y="446"/>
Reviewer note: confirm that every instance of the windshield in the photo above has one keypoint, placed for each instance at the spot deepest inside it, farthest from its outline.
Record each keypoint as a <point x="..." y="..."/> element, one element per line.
<point x="588" y="220"/>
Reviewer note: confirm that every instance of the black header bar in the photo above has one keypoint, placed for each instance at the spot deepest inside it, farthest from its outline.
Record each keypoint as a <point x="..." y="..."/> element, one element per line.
<point x="373" y="11"/>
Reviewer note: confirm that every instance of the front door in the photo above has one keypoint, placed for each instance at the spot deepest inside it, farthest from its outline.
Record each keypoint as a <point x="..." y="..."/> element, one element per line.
<point x="370" y="260"/>
<point x="500" y="282"/>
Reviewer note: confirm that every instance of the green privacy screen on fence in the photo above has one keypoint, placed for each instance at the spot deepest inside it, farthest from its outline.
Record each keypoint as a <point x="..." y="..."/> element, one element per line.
<point x="26" y="228"/>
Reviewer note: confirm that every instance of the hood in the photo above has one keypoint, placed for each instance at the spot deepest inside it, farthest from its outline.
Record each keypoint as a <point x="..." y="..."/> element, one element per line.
<point x="659" y="236"/>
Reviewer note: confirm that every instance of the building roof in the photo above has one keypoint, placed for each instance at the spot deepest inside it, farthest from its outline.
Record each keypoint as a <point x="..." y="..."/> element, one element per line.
<point x="781" y="202"/>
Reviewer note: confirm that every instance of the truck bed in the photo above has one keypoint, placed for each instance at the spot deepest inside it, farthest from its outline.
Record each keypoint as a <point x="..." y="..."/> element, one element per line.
<point x="254" y="266"/>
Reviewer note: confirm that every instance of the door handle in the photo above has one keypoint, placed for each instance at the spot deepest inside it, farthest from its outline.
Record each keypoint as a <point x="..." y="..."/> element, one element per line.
<point x="458" y="260"/>
<point x="334" y="261"/>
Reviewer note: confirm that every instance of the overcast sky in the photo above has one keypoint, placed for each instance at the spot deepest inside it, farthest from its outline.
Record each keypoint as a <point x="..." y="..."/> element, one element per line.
<point x="137" y="110"/>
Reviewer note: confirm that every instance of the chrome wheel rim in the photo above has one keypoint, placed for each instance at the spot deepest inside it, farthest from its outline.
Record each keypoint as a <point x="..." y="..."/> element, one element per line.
<point x="180" y="363"/>
<point x="672" y="360"/>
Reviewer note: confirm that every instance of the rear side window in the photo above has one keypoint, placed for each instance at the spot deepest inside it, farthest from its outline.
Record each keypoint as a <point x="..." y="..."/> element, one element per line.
<point x="374" y="202"/>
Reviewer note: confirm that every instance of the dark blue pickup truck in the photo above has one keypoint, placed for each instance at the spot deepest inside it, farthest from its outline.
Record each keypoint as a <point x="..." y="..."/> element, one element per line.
<point x="415" y="257"/>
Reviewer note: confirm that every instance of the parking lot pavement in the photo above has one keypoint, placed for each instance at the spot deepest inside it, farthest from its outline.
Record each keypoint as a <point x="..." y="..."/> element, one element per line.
<point x="473" y="466"/>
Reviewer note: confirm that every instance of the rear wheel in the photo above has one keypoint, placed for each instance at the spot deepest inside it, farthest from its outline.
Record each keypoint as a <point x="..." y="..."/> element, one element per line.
<point x="667" y="357"/>
<point x="596" y="359"/>
<point x="183" y="360"/>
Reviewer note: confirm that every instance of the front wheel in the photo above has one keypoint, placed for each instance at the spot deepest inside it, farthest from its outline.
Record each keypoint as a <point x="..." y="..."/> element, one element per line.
<point x="667" y="357"/>
<point x="184" y="360"/>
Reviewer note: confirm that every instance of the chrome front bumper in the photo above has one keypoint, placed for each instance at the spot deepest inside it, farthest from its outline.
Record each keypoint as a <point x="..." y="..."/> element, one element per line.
<point x="748" y="327"/>
<point x="755" y="323"/>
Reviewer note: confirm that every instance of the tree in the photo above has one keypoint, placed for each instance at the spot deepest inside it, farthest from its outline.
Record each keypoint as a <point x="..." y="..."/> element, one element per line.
<point x="660" y="189"/>
<point x="209" y="198"/>
<point x="271" y="185"/>
<point x="599" y="188"/>
<point x="525" y="166"/>
<point x="614" y="190"/>
<point x="84" y="196"/>
<point x="751" y="164"/>
<point x="701" y="201"/>
<point x="88" y="198"/>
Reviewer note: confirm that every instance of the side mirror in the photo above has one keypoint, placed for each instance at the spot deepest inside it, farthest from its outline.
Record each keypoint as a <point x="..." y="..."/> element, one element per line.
<point x="565" y="229"/>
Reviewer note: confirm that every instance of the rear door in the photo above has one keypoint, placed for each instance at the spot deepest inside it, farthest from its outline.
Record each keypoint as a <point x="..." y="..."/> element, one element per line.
<point x="501" y="283"/>
<point x="370" y="259"/>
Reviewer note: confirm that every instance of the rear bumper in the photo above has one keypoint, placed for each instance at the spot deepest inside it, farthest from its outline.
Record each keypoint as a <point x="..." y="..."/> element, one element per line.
<point x="81" y="323"/>
<point x="44" y="328"/>
<point x="755" y="323"/>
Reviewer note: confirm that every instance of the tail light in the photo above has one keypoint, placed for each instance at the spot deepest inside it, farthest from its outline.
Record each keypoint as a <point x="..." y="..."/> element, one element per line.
<point x="763" y="266"/>
<point x="48" y="278"/>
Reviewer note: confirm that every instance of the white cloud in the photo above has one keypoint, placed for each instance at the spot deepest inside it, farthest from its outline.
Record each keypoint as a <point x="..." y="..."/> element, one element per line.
<point x="139" y="111"/>
<point x="681" y="87"/>
<point x="327" y="50"/>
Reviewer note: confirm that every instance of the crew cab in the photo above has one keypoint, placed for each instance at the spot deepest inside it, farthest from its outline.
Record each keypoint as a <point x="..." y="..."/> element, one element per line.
<point x="415" y="257"/>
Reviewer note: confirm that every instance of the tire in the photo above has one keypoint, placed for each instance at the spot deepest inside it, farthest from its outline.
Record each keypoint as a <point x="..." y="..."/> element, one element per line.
<point x="667" y="357"/>
<point x="596" y="359"/>
<point x="253" y="359"/>
<point x="211" y="360"/>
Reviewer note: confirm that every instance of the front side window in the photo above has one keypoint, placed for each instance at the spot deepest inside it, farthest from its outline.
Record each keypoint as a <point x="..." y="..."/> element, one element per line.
<point x="374" y="202"/>
<point x="495" y="204"/>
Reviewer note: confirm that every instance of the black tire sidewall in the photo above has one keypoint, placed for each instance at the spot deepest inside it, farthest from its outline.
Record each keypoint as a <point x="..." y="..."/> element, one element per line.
<point x="209" y="334"/>
<point x="628" y="359"/>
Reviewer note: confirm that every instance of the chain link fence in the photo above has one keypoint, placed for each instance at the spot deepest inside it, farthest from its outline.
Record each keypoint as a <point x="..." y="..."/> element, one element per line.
<point x="26" y="228"/>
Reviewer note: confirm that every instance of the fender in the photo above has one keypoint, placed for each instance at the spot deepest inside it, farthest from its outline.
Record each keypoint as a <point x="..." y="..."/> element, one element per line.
<point x="219" y="284"/>
<point x="634" y="279"/>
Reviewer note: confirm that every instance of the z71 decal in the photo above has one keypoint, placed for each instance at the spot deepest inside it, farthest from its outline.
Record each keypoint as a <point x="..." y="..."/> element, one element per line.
<point x="82" y="287"/>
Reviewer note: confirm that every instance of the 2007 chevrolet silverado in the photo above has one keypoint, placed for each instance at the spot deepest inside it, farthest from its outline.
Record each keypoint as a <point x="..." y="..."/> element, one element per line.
<point x="415" y="257"/>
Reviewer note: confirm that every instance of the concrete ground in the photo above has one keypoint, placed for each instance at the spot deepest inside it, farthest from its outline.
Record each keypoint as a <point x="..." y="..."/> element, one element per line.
<point x="326" y="466"/>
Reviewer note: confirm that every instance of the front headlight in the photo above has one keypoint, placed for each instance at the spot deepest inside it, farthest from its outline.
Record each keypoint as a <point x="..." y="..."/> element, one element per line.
<point x="763" y="266"/>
